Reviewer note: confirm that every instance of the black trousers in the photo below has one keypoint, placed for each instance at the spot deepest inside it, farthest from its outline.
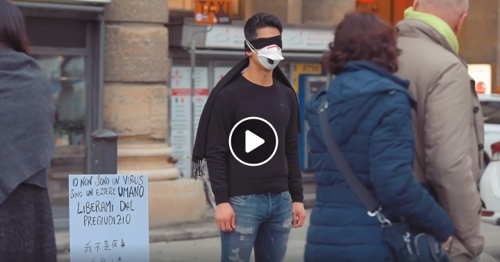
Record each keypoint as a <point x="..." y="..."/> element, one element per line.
<point x="27" y="227"/>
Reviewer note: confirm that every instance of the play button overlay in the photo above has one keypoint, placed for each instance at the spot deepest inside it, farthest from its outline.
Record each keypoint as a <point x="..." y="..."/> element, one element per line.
<point x="253" y="141"/>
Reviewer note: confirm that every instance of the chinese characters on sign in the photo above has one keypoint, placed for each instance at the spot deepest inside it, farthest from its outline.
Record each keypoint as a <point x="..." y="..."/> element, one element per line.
<point x="109" y="218"/>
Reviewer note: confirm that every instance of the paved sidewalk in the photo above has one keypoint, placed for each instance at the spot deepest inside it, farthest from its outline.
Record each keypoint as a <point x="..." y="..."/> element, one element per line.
<point x="176" y="233"/>
<point x="205" y="229"/>
<point x="208" y="249"/>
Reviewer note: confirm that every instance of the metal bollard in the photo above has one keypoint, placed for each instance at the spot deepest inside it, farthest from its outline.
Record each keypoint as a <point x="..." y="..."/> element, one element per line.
<point x="104" y="152"/>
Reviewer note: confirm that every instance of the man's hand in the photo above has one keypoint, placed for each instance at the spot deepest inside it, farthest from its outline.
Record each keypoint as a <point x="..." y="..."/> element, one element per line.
<point x="447" y="245"/>
<point x="225" y="217"/>
<point x="298" y="214"/>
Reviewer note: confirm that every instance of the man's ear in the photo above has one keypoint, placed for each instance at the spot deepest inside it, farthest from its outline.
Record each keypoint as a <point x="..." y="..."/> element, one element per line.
<point x="249" y="53"/>
<point x="415" y="4"/>
<point x="460" y="24"/>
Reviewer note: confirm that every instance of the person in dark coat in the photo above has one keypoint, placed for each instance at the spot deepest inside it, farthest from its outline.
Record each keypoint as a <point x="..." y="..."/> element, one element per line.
<point x="370" y="118"/>
<point x="26" y="139"/>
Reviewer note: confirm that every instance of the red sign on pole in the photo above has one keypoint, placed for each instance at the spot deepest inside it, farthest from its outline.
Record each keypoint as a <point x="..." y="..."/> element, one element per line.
<point x="209" y="12"/>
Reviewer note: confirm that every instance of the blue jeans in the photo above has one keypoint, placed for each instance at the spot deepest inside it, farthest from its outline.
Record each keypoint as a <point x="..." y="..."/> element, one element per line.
<point x="263" y="222"/>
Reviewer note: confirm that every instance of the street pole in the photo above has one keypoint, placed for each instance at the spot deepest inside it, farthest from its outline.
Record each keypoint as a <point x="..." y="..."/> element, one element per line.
<point x="104" y="152"/>
<point x="192" y="51"/>
<point x="193" y="89"/>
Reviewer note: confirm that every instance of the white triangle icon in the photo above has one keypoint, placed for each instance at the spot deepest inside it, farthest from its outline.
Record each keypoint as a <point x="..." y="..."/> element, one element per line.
<point x="252" y="141"/>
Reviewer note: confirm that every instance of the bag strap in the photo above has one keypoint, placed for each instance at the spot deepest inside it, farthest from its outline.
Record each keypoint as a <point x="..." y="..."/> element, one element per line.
<point x="362" y="193"/>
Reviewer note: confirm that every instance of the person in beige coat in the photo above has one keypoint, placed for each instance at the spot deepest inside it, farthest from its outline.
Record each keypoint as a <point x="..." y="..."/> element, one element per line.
<point x="448" y="121"/>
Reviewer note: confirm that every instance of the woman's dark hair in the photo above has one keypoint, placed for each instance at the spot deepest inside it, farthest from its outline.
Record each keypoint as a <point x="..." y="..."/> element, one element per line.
<point x="364" y="36"/>
<point x="12" y="29"/>
<point x="259" y="21"/>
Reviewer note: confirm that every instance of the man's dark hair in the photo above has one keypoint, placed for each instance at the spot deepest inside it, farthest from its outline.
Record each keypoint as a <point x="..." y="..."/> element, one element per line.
<point x="259" y="21"/>
<point x="364" y="36"/>
<point x="12" y="29"/>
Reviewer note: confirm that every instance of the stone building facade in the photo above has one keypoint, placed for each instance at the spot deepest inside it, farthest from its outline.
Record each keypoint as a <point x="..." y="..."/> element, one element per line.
<point x="136" y="107"/>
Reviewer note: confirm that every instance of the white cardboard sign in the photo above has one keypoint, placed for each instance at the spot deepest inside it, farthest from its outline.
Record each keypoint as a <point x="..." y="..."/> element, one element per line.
<point x="108" y="218"/>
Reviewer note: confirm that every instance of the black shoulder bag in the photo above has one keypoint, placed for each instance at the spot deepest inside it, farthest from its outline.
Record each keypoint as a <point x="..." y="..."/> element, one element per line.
<point x="405" y="243"/>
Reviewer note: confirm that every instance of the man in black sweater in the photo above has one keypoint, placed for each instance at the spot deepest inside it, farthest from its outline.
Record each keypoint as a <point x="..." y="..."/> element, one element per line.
<point x="258" y="191"/>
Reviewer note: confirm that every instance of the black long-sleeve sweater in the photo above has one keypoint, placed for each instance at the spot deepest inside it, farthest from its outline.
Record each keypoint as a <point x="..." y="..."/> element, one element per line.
<point x="278" y="105"/>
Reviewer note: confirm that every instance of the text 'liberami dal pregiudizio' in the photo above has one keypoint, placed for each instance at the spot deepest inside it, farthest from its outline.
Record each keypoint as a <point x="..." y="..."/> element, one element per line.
<point x="103" y="212"/>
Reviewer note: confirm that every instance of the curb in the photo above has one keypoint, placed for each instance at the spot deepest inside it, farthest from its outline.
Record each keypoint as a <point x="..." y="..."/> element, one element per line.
<point x="205" y="231"/>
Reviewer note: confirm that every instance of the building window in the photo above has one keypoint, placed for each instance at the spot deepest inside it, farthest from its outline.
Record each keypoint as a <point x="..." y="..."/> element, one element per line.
<point x="67" y="76"/>
<point x="68" y="51"/>
<point x="188" y="5"/>
<point x="66" y="43"/>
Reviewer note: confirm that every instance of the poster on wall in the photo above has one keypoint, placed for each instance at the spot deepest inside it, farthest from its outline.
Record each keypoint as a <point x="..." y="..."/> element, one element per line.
<point x="108" y="218"/>
<point x="481" y="73"/>
<point x="181" y="119"/>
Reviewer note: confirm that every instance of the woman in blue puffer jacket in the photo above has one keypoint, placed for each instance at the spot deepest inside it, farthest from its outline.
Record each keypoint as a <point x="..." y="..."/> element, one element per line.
<point x="370" y="119"/>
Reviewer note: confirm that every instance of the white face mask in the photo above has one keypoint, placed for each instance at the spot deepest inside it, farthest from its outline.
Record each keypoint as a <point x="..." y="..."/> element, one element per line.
<point x="269" y="56"/>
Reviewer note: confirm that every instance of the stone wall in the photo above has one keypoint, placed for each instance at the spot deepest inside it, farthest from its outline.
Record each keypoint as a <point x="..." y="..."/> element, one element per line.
<point x="136" y="66"/>
<point x="480" y="33"/>
<point x="136" y="107"/>
<point x="480" y="39"/>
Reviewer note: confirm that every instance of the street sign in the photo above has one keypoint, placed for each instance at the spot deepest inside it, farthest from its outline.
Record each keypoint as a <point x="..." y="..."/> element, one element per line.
<point x="208" y="12"/>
